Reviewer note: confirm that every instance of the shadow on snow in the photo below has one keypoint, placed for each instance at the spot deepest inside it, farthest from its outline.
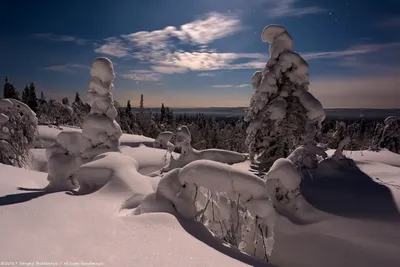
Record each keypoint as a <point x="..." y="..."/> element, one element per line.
<point x="339" y="187"/>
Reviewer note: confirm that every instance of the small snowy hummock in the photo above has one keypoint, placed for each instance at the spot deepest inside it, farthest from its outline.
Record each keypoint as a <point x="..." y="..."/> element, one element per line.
<point x="162" y="140"/>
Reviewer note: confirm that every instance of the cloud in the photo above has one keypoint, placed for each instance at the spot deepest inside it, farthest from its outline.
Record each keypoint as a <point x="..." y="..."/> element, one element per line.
<point x="206" y="74"/>
<point x="113" y="47"/>
<point x="223" y="85"/>
<point x="154" y="44"/>
<point x="142" y="75"/>
<point x="289" y="8"/>
<point x="161" y="50"/>
<point x="390" y="22"/>
<point x="169" y="70"/>
<point x="66" y="68"/>
<point x="61" y="38"/>
<point x="230" y="85"/>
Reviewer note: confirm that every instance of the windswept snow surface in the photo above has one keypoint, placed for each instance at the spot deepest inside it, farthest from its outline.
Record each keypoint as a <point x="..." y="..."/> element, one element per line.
<point x="39" y="227"/>
<point x="352" y="218"/>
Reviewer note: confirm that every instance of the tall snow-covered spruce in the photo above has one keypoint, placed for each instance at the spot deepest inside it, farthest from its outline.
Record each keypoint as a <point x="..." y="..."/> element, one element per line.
<point x="100" y="131"/>
<point x="282" y="113"/>
<point x="100" y="126"/>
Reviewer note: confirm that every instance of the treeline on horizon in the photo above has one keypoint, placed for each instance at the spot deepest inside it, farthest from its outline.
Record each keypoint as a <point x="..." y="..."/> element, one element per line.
<point x="208" y="130"/>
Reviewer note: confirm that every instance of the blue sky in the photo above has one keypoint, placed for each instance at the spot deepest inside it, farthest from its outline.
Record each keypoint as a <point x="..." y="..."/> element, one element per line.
<point x="189" y="53"/>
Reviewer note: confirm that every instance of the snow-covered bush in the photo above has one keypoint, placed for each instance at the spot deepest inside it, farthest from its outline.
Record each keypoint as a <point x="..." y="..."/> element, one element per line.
<point x="189" y="154"/>
<point x="233" y="204"/>
<point x="100" y="131"/>
<point x="390" y="135"/>
<point x="162" y="140"/>
<point x="282" y="113"/>
<point x="18" y="131"/>
<point x="56" y="113"/>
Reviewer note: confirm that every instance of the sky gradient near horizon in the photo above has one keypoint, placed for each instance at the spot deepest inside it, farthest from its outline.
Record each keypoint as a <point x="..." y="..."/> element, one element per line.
<point x="202" y="53"/>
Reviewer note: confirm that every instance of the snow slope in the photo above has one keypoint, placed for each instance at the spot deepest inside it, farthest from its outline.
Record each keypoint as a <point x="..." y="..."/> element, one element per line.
<point x="352" y="218"/>
<point x="63" y="228"/>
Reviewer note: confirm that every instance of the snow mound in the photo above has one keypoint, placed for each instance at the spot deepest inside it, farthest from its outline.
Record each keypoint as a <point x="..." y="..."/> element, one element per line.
<point x="113" y="173"/>
<point x="220" y="177"/>
<point x="162" y="140"/>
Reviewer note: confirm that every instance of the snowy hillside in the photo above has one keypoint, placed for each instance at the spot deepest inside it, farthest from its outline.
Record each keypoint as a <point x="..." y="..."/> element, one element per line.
<point x="351" y="224"/>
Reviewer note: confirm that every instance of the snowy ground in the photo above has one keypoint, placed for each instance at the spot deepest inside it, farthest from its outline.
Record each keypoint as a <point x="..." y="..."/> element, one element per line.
<point x="353" y="219"/>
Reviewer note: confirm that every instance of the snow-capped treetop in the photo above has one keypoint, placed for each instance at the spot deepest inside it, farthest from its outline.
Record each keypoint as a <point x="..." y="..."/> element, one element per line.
<point x="182" y="135"/>
<point x="279" y="39"/>
<point x="103" y="69"/>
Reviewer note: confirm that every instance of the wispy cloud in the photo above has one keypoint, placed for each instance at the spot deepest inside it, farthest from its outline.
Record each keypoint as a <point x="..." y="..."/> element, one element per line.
<point x="161" y="50"/>
<point x="61" y="38"/>
<point x="230" y="85"/>
<point x="223" y="85"/>
<point x="352" y="51"/>
<point x="66" y="68"/>
<point x="289" y="8"/>
<point x="390" y="22"/>
<point x="142" y="75"/>
<point x="206" y="74"/>
<point x="113" y="47"/>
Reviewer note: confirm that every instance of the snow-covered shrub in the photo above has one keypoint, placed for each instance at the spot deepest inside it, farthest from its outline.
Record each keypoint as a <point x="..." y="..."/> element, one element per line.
<point x="189" y="154"/>
<point x="18" y="131"/>
<point x="390" y="136"/>
<point x="283" y="185"/>
<point x="282" y="113"/>
<point x="233" y="204"/>
<point x="339" y="150"/>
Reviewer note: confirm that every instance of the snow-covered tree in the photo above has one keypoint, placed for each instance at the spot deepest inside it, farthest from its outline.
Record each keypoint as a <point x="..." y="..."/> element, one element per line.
<point x="100" y="131"/>
<point x="282" y="113"/>
<point x="65" y="101"/>
<point x="18" y="131"/>
<point x="390" y="137"/>
<point x="10" y="91"/>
